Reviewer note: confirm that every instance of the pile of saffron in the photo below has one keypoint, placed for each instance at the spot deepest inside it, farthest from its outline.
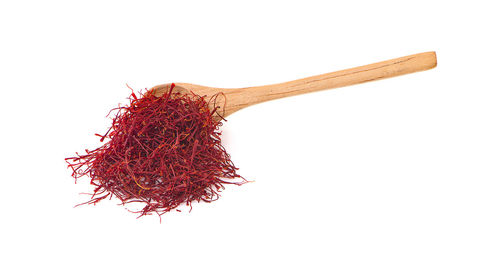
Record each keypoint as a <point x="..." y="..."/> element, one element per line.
<point x="161" y="152"/>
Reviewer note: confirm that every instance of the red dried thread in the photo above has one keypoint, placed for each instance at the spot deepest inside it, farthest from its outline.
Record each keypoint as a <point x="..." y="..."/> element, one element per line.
<point x="162" y="152"/>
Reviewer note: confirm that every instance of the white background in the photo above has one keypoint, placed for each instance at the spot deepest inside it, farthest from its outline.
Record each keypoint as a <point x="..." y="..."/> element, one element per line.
<point x="394" y="175"/>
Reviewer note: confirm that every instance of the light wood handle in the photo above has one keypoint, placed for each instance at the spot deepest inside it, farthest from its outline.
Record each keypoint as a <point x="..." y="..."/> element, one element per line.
<point x="375" y="71"/>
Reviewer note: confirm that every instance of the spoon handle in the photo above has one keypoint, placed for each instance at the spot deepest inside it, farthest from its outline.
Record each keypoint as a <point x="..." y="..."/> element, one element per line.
<point x="370" y="72"/>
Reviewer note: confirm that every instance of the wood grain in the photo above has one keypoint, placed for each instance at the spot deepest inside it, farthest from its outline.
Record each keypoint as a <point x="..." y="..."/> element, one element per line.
<point x="239" y="98"/>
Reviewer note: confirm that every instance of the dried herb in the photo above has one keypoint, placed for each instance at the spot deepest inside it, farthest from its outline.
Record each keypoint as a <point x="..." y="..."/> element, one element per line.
<point x="161" y="152"/>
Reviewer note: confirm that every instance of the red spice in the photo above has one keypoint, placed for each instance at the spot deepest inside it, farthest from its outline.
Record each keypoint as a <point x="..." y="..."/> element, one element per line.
<point x="162" y="152"/>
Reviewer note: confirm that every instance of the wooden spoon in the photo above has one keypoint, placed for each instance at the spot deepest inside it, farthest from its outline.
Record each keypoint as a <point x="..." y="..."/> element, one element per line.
<point x="239" y="98"/>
